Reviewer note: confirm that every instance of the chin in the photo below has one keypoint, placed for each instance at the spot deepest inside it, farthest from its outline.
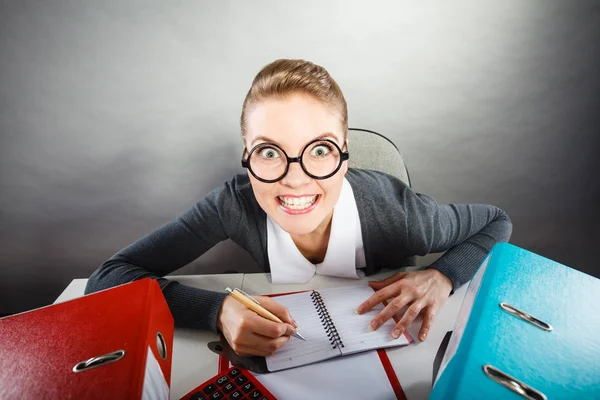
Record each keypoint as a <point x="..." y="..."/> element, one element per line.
<point x="297" y="227"/>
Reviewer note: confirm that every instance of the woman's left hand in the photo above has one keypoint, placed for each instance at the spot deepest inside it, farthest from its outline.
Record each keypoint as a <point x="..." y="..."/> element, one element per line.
<point x="422" y="291"/>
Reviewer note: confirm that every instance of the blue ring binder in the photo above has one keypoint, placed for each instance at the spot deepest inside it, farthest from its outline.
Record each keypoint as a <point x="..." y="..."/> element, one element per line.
<point x="528" y="328"/>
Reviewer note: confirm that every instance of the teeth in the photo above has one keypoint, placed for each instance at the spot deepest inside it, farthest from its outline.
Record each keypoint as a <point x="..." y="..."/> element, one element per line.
<point x="298" y="203"/>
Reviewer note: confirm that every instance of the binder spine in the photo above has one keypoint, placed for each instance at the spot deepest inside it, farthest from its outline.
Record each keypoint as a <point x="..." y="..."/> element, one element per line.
<point x="328" y="325"/>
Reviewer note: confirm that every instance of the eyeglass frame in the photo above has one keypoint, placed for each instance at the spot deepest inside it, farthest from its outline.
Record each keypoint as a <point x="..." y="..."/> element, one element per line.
<point x="344" y="156"/>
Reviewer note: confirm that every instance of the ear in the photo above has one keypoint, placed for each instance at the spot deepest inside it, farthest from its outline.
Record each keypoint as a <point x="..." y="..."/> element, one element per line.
<point x="345" y="149"/>
<point x="344" y="167"/>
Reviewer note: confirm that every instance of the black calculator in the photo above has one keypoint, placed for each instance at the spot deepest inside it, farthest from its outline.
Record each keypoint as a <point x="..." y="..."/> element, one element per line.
<point x="235" y="384"/>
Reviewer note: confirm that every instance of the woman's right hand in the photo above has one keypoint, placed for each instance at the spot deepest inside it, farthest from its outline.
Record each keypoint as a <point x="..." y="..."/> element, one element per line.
<point x="248" y="333"/>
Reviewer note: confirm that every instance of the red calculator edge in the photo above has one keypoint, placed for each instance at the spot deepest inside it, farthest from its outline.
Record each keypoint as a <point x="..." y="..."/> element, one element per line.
<point x="226" y="384"/>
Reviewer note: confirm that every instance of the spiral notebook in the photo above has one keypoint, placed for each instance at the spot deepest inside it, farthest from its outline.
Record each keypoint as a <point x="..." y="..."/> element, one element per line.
<point x="328" y="321"/>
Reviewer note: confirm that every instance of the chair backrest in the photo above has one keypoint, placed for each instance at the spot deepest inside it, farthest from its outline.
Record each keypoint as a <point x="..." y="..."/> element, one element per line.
<point x="372" y="150"/>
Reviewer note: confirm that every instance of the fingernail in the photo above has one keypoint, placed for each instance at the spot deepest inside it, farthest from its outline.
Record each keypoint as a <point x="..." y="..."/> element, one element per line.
<point x="373" y="325"/>
<point x="396" y="334"/>
<point x="294" y="323"/>
<point x="358" y="311"/>
<point x="423" y="336"/>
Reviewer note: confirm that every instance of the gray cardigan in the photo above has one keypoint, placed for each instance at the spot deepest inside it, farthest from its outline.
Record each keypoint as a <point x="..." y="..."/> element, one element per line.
<point x="395" y="221"/>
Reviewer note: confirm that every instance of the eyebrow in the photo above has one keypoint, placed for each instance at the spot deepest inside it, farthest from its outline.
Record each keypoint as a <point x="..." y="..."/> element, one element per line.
<point x="266" y="139"/>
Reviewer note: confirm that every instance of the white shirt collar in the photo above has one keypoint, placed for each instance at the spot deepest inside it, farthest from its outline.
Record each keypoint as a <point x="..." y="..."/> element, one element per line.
<point x="344" y="252"/>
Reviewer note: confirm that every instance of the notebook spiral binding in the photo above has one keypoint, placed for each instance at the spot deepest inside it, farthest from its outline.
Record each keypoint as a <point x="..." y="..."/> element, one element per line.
<point x="330" y="329"/>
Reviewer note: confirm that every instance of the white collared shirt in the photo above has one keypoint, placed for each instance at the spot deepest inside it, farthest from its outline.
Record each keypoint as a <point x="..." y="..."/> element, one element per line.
<point x="345" y="255"/>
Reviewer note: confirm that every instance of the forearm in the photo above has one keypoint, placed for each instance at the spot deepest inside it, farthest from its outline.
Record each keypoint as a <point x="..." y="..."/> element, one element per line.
<point x="191" y="307"/>
<point x="461" y="261"/>
<point x="154" y="256"/>
<point x="116" y="272"/>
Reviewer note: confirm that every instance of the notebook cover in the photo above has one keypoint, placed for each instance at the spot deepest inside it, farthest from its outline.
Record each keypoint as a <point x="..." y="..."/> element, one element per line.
<point x="562" y="364"/>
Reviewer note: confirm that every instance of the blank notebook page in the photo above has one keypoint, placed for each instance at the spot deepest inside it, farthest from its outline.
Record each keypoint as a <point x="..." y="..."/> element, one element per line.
<point x="297" y="352"/>
<point x="353" y="328"/>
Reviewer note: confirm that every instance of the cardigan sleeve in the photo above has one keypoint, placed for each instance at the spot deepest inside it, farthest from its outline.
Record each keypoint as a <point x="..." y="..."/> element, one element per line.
<point x="173" y="246"/>
<point x="466" y="232"/>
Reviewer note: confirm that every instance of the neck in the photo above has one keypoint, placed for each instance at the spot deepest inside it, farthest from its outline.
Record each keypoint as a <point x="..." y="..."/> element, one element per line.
<point x="313" y="246"/>
<point x="320" y="233"/>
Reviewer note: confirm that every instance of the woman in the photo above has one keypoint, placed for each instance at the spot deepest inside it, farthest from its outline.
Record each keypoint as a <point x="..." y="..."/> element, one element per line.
<point x="300" y="211"/>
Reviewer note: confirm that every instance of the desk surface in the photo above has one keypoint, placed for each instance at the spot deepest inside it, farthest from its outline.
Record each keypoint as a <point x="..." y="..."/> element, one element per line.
<point x="194" y="363"/>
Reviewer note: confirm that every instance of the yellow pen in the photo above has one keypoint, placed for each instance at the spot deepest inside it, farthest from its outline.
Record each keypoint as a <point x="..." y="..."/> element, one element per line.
<point x="255" y="306"/>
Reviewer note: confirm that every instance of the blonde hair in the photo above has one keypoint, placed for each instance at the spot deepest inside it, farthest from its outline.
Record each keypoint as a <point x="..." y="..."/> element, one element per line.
<point x="284" y="77"/>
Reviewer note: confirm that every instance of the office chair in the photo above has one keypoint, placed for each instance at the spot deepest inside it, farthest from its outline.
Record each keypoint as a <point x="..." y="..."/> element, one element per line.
<point x="372" y="150"/>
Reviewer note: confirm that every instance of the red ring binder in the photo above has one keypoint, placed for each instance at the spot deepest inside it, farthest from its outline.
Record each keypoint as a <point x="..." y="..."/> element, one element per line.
<point x="116" y="343"/>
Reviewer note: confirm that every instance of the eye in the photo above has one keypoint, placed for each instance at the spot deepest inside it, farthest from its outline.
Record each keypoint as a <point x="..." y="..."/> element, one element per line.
<point x="320" y="150"/>
<point x="269" y="153"/>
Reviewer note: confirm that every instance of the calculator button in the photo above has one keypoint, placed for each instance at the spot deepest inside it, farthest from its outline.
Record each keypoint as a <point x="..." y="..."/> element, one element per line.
<point x="216" y="396"/>
<point x="240" y="380"/>
<point x="247" y="387"/>
<point x="236" y="395"/>
<point x="210" y="388"/>
<point x="222" y="380"/>
<point x="198" y="396"/>
<point x="256" y="395"/>
<point x="230" y="387"/>
<point x="234" y="372"/>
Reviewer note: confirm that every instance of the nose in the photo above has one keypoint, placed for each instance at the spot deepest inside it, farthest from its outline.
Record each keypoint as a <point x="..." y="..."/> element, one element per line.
<point x="295" y="177"/>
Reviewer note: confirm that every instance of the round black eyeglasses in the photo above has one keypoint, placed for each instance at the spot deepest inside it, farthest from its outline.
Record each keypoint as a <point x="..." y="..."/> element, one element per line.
<point x="320" y="159"/>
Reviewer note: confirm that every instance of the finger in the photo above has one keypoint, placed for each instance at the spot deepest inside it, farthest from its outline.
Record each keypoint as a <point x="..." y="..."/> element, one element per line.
<point x="261" y="346"/>
<point x="256" y="324"/>
<point x="276" y="344"/>
<point x="428" y="317"/>
<point x="389" y="311"/>
<point x="377" y="297"/>
<point x="409" y="316"/>
<point x="278" y="309"/>
<point x="381" y="284"/>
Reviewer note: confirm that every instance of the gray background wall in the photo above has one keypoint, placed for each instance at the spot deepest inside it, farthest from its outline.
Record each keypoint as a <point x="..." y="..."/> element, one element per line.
<point x="116" y="115"/>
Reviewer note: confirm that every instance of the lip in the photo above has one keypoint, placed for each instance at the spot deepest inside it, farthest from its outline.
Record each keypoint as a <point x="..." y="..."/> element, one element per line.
<point x="297" y="212"/>
<point x="297" y="196"/>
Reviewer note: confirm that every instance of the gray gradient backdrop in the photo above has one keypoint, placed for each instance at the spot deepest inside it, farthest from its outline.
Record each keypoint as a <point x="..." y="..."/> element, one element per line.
<point x="116" y="115"/>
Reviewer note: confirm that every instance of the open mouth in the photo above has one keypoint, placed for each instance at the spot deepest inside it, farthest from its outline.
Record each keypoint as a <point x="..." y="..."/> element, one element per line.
<point x="297" y="205"/>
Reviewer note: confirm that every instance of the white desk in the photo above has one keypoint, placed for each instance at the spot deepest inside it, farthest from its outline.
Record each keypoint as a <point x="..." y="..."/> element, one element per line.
<point x="193" y="362"/>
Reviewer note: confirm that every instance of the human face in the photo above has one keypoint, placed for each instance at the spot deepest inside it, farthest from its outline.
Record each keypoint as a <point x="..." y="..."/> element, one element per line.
<point x="291" y="123"/>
